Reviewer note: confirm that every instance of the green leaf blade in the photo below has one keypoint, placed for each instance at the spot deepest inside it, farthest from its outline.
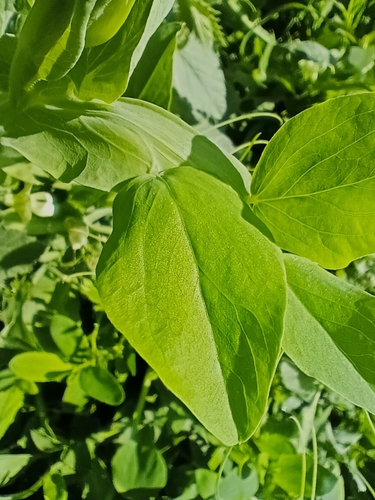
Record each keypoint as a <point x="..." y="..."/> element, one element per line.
<point x="101" y="147"/>
<point x="330" y="332"/>
<point x="315" y="186"/>
<point x="186" y="296"/>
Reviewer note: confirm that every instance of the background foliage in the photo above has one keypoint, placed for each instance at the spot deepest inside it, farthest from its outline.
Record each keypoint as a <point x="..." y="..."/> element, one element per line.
<point x="100" y="424"/>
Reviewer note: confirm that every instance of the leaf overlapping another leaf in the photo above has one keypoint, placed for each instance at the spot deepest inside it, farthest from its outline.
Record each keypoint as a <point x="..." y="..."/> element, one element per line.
<point x="101" y="147"/>
<point x="330" y="331"/>
<point x="199" y="292"/>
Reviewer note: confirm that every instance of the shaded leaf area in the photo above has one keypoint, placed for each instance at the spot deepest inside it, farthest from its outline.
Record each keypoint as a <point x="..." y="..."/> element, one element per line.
<point x="223" y="295"/>
<point x="51" y="56"/>
<point x="153" y="82"/>
<point x="330" y="331"/>
<point x="315" y="189"/>
<point x="129" y="138"/>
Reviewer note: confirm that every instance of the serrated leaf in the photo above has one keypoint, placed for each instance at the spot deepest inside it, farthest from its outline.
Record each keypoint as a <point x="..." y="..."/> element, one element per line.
<point x="330" y="331"/>
<point x="126" y="139"/>
<point x="193" y="284"/>
<point x="39" y="366"/>
<point x="198" y="78"/>
<point x="314" y="186"/>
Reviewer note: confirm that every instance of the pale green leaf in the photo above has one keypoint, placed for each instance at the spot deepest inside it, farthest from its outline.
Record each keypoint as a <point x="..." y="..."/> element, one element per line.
<point x="330" y="331"/>
<point x="39" y="366"/>
<point x="11" y="465"/>
<point x="314" y="186"/>
<point x="138" y="464"/>
<point x="102" y="147"/>
<point x="191" y="284"/>
<point x="198" y="78"/>
<point x="11" y="401"/>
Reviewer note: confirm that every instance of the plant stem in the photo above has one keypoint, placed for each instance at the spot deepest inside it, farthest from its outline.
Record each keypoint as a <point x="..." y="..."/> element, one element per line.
<point x="138" y="413"/>
<point x="304" y="467"/>
<point x="220" y="473"/>
<point x="247" y="116"/>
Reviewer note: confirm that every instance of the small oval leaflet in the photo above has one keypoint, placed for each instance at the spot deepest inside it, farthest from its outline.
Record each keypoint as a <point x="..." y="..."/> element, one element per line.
<point x="100" y="384"/>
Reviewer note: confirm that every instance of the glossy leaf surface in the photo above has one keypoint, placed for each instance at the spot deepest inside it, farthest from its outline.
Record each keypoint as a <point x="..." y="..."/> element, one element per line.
<point x="102" y="147"/>
<point x="315" y="184"/>
<point x="199" y="292"/>
<point x="330" y="331"/>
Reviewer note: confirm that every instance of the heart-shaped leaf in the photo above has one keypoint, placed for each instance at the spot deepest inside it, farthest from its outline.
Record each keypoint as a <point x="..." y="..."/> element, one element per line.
<point x="199" y="292"/>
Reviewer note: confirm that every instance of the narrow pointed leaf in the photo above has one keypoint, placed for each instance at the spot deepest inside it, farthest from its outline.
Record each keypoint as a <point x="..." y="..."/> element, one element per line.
<point x="102" y="147"/>
<point x="330" y="331"/>
<point x="315" y="184"/>
<point x="199" y="292"/>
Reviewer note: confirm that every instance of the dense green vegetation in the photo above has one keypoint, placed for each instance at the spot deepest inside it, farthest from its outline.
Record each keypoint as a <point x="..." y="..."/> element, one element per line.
<point x="259" y="374"/>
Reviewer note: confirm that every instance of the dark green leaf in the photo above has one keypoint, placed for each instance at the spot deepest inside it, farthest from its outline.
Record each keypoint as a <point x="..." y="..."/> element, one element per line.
<point x="100" y="384"/>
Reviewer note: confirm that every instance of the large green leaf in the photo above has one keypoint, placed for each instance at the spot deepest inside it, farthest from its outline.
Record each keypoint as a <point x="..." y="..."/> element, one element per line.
<point x="101" y="147"/>
<point x="330" y="331"/>
<point x="315" y="184"/>
<point x="199" y="292"/>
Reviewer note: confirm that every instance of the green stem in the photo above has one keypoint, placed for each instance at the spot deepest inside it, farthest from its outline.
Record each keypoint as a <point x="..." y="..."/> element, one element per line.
<point x="315" y="469"/>
<point x="220" y="473"/>
<point x="138" y="413"/>
<point x="304" y="466"/>
<point x="248" y="116"/>
<point x="248" y="144"/>
<point x="371" y="423"/>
